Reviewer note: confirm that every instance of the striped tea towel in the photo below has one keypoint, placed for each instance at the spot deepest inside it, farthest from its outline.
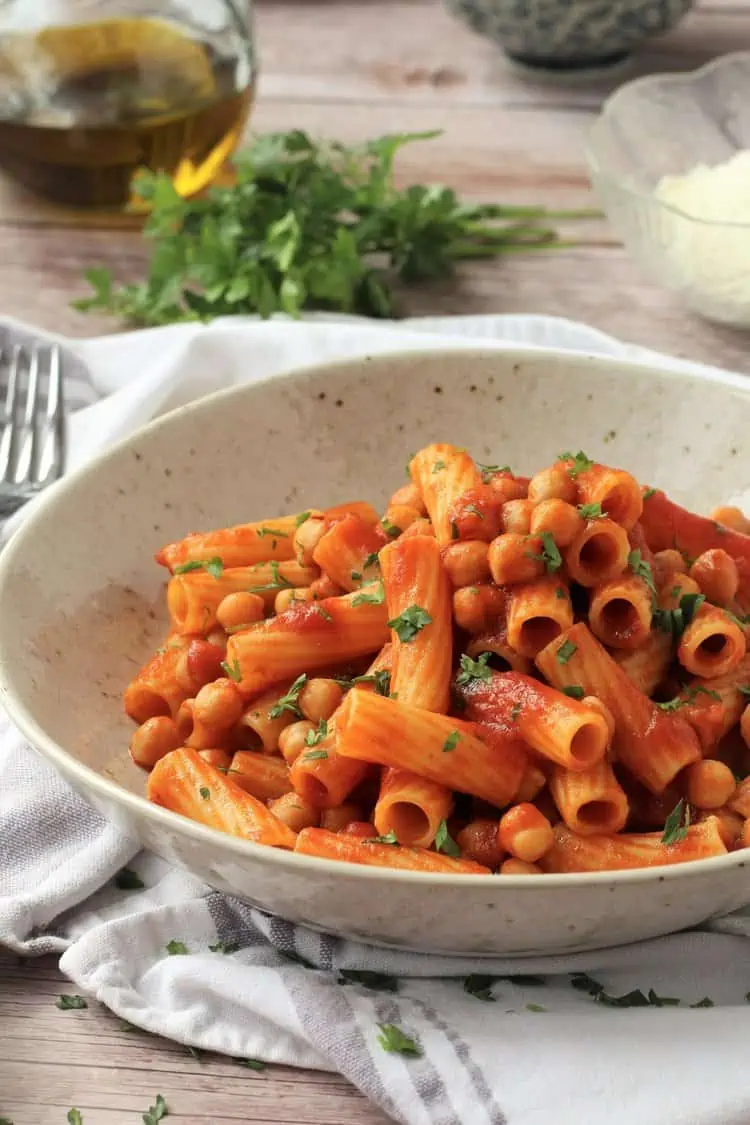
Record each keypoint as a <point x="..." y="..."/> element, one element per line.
<point x="431" y="1040"/>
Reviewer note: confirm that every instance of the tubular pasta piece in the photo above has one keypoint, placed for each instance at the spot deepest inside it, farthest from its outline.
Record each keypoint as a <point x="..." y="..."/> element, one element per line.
<point x="591" y="802"/>
<point x="448" y="751"/>
<point x="413" y="576"/>
<point x="618" y="493"/>
<point x="263" y="776"/>
<point x="713" y="644"/>
<point x="184" y="783"/>
<point x="712" y="719"/>
<point x="359" y="508"/>
<point x="412" y="807"/>
<point x="349" y="849"/>
<point x="650" y="743"/>
<point x="620" y="612"/>
<point x="623" y="852"/>
<point x="647" y="665"/>
<point x="562" y="729"/>
<point x="241" y="545"/>
<point x="256" y="727"/>
<point x="537" y="613"/>
<point x="598" y="553"/>
<point x="307" y="638"/>
<point x="155" y="689"/>
<point x="342" y="550"/>
<point x="194" y="598"/>
<point x="497" y="644"/>
<point x="443" y="473"/>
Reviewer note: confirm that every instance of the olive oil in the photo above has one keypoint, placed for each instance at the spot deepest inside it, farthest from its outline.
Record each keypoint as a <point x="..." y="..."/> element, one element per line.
<point x="83" y="107"/>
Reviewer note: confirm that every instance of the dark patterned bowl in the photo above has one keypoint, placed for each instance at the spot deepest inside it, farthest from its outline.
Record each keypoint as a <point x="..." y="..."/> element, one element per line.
<point x="569" y="34"/>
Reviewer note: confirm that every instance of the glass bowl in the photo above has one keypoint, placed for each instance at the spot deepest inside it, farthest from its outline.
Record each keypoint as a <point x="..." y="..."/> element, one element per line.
<point x="664" y="126"/>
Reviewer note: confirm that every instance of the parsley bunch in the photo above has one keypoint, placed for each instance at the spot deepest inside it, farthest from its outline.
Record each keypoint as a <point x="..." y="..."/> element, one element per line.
<point x="307" y="225"/>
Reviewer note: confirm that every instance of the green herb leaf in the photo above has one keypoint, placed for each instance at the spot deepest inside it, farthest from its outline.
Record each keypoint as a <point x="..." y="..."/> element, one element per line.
<point x="706" y="1002"/>
<point x="480" y="987"/>
<point x="303" y="517"/>
<point x="565" y="651"/>
<point x="574" y="691"/>
<point x="389" y="838"/>
<point x="560" y="593"/>
<point x="233" y="670"/>
<point x="474" y="510"/>
<point x="393" y="1040"/>
<point x="324" y="613"/>
<point x="438" y="467"/>
<point x="68" y="1003"/>
<point x="129" y="880"/>
<point x="315" y="755"/>
<point x="289" y="701"/>
<point x="515" y="712"/>
<point x="444" y="842"/>
<point x="7" y="1120"/>
<point x="156" y="1112"/>
<point x="373" y="559"/>
<point x="649" y="493"/>
<point x="474" y="670"/>
<point x="214" y="566"/>
<point x="455" y="533"/>
<point x="409" y="623"/>
<point x="451" y="741"/>
<point x="549" y="553"/>
<point x="205" y="793"/>
<point x="488" y="471"/>
<point x="356" y="576"/>
<point x="74" y="1116"/>
<point x="250" y="1064"/>
<point x="271" y="531"/>
<point x="688" y="697"/>
<point x="225" y="947"/>
<point x="376" y="982"/>
<point x="535" y="1008"/>
<point x="581" y="463"/>
<point x="590" y="511"/>
<point x="278" y="581"/>
<point x="313" y="737"/>
<point x="389" y="528"/>
<point x="642" y="569"/>
<point x="377" y="597"/>
<point x="677" y="823"/>
<point x="744" y="689"/>
<point x="674" y="622"/>
<point x="176" y="948"/>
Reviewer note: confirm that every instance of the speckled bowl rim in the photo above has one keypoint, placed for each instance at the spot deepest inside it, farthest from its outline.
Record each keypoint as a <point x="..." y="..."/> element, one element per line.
<point x="611" y="105"/>
<point x="88" y="778"/>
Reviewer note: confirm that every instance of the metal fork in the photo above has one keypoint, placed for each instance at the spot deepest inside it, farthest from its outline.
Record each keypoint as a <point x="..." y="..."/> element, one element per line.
<point x="32" y="423"/>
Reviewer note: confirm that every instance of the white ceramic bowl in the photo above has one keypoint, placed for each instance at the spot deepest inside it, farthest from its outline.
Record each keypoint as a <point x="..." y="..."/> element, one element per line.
<point x="82" y="604"/>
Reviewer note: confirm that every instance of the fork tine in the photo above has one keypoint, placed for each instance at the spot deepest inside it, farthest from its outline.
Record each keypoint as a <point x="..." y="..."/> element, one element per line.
<point x="53" y="454"/>
<point x="7" y="440"/>
<point x="29" y="428"/>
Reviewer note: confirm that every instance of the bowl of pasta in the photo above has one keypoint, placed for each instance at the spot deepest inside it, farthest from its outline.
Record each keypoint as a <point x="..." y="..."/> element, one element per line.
<point x="497" y="705"/>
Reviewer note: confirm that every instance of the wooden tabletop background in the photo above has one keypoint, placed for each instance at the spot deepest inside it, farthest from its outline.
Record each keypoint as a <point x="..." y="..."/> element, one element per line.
<point x="350" y="69"/>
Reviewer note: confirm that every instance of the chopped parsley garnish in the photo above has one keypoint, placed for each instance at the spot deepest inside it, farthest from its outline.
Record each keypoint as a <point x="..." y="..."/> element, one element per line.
<point x="744" y="689"/>
<point x="214" y="566"/>
<point x="515" y="712"/>
<point x="233" y="670"/>
<point x="480" y="987"/>
<point x="444" y="841"/>
<point x="313" y="737"/>
<point x="581" y="463"/>
<point x="278" y="582"/>
<point x="376" y="982"/>
<point x="381" y="681"/>
<point x="67" y="1003"/>
<point x="390" y="528"/>
<point x="636" y="998"/>
<point x="565" y="651"/>
<point x="303" y="517"/>
<point x="451" y="741"/>
<point x="315" y="755"/>
<point x="549" y="554"/>
<point x="225" y="947"/>
<point x="471" y="670"/>
<point x="323" y="612"/>
<point x="642" y="569"/>
<point x="677" y="823"/>
<point x="488" y="471"/>
<point x="560" y="593"/>
<point x="409" y="623"/>
<point x="474" y="510"/>
<point x="535" y="1008"/>
<point x="389" y="838"/>
<point x="689" y="696"/>
<point x="176" y="948"/>
<point x="706" y="1002"/>
<point x="649" y="493"/>
<point x="393" y="1040"/>
<point x="129" y="880"/>
<point x="376" y="598"/>
<point x="205" y="793"/>
<point x="356" y="576"/>
<point x="575" y="691"/>
<point x="250" y="1064"/>
<point x="273" y="531"/>
<point x="590" y="511"/>
<point x="289" y="701"/>
<point x="438" y="467"/>
<point x="372" y="559"/>
<point x="74" y="1117"/>
<point x="455" y="534"/>
<point x="156" y="1112"/>
<point x="741" y="621"/>
<point x="674" y="622"/>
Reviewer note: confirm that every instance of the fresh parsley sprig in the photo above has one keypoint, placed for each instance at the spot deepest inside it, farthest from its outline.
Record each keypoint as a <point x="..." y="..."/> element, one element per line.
<point x="308" y="225"/>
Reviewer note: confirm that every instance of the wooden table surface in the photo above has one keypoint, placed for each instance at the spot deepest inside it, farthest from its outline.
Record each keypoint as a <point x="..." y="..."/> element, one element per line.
<point x="351" y="69"/>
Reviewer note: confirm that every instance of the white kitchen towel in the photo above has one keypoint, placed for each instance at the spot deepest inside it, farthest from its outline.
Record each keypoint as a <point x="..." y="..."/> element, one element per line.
<point x="495" y="1047"/>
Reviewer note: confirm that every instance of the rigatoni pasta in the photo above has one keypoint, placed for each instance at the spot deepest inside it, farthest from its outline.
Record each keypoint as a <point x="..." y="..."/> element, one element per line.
<point x="494" y="673"/>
